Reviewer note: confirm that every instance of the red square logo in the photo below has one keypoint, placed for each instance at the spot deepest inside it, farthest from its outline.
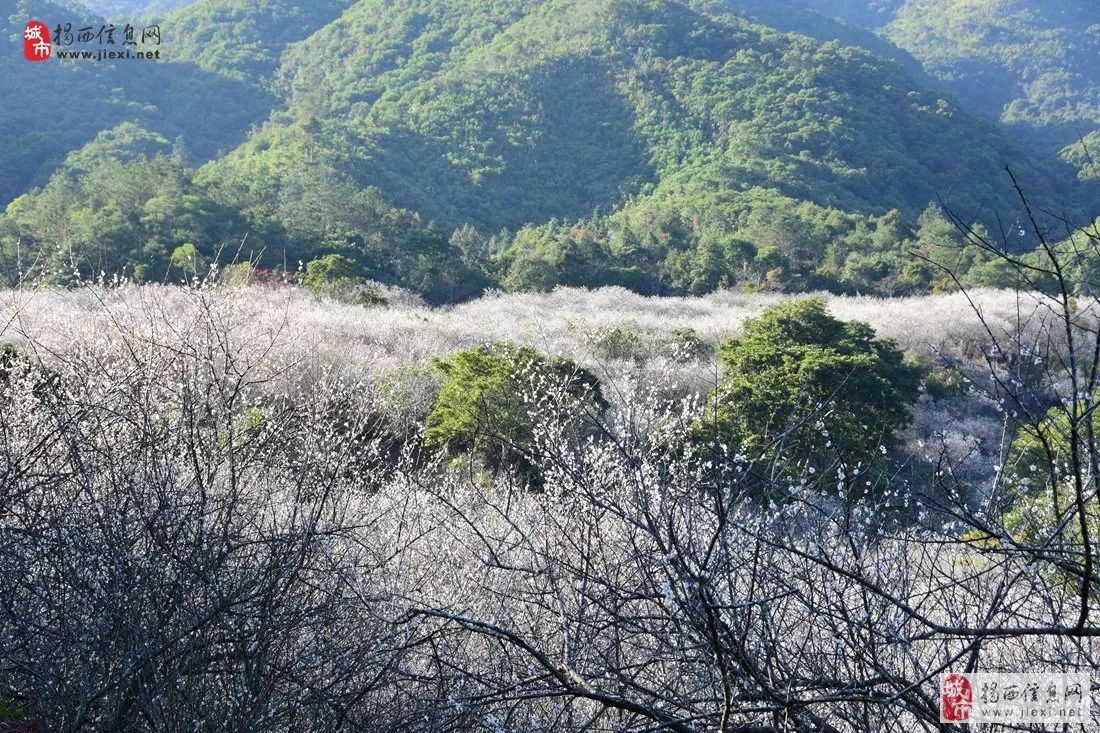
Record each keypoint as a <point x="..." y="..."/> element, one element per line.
<point x="956" y="698"/>
<point x="36" y="41"/>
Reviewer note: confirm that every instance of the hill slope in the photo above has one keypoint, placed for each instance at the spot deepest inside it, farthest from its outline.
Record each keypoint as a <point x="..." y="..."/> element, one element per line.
<point x="521" y="112"/>
<point x="665" y="145"/>
<point x="244" y="39"/>
<point x="1032" y="64"/>
<point x="50" y="110"/>
<point x="1038" y="61"/>
<point x="133" y="8"/>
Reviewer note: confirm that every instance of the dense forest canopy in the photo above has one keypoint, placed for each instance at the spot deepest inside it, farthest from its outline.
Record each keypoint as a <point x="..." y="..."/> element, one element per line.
<point x="119" y="8"/>
<point x="664" y="145"/>
<point x="1033" y="64"/>
<point x="55" y="108"/>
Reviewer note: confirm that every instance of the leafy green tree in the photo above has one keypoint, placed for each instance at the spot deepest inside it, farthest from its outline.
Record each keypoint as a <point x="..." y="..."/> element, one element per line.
<point x="702" y="270"/>
<point x="1040" y="466"/>
<point x="530" y="273"/>
<point x="491" y="396"/>
<point x="995" y="273"/>
<point x="810" y="391"/>
<point x="237" y="274"/>
<point x="332" y="274"/>
<point x="1041" y="452"/>
<point x="474" y="248"/>
<point x="187" y="261"/>
<point x="620" y="344"/>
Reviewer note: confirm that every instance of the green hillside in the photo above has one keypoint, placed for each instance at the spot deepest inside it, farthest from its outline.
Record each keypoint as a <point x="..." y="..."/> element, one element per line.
<point x="1036" y="60"/>
<point x="664" y="145"/>
<point x="868" y="13"/>
<point x="207" y="92"/>
<point x="133" y="8"/>
<point x="500" y="117"/>
<point x="857" y="25"/>
<point x="1033" y="65"/>
<point x="51" y="110"/>
<point x="244" y="39"/>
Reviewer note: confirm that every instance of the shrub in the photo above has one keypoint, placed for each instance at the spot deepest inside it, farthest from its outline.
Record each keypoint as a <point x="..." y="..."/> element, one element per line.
<point x="685" y="344"/>
<point x="529" y="274"/>
<point x="620" y="344"/>
<point x="406" y="394"/>
<point x="1041" y="454"/>
<point x="140" y="273"/>
<point x="238" y="274"/>
<point x="186" y="260"/>
<point x="1040" y="467"/>
<point x="10" y="709"/>
<point x="368" y="296"/>
<point x="815" y="391"/>
<point x="944" y="382"/>
<point x="337" y="275"/>
<point x="10" y="357"/>
<point x="492" y="398"/>
<point x="332" y="274"/>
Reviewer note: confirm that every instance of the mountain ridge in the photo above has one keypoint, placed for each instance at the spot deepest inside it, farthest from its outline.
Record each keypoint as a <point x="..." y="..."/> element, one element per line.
<point x="447" y="116"/>
<point x="669" y="145"/>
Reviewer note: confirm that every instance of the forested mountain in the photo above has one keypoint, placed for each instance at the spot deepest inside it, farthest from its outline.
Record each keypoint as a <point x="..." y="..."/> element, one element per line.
<point x="1032" y="64"/>
<point x="49" y="110"/>
<point x="667" y="145"/>
<point x="513" y="115"/>
<point x="245" y="39"/>
<point x="869" y="13"/>
<point x="131" y="8"/>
